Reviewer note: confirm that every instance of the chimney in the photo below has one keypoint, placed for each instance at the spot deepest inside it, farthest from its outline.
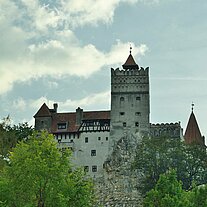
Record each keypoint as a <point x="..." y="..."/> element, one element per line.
<point x="79" y="115"/>
<point x="55" y="106"/>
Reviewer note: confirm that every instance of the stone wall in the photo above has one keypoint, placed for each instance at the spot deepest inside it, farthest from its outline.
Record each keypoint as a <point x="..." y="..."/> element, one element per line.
<point x="118" y="185"/>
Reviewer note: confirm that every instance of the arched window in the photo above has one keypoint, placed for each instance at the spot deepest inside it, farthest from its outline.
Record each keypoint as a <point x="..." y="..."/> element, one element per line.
<point x="122" y="99"/>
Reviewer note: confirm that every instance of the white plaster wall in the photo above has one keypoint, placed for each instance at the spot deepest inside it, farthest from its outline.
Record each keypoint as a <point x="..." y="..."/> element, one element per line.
<point x="82" y="154"/>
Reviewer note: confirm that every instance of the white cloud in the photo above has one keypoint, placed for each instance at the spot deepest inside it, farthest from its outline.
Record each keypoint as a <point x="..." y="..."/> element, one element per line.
<point x="83" y="12"/>
<point x="54" y="58"/>
<point x="102" y="98"/>
<point x="88" y="102"/>
<point x="30" y="50"/>
<point x="19" y="104"/>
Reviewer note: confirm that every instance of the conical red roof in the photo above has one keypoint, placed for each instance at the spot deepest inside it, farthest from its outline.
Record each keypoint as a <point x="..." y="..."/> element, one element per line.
<point x="130" y="63"/>
<point x="43" y="111"/>
<point x="192" y="133"/>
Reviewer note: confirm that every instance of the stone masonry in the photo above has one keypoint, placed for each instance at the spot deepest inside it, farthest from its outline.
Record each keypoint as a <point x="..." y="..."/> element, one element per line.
<point x="118" y="185"/>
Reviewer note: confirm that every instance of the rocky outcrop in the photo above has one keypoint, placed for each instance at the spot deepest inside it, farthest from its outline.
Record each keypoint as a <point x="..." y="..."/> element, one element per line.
<point x="118" y="185"/>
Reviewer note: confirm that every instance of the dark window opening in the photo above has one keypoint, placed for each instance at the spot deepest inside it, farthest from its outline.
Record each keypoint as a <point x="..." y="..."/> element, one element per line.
<point x="86" y="139"/>
<point x="136" y="124"/>
<point x="99" y="138"/>
<point x="86" y="168"/>
<point x="124" y="124"/>
<point x="107" y="138"/>
<point x="61" y="125"/>
<point x="138" y="113"/>
<point x="122" y="113"/>
<point x="138" y="98"/>
<point x="122" y="99"/>
<point x="94" y="168"/>
<point x="93" y="152"/>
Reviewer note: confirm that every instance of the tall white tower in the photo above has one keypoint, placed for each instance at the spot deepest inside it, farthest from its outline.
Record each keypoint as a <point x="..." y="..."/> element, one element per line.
<point x="130" y="102"/>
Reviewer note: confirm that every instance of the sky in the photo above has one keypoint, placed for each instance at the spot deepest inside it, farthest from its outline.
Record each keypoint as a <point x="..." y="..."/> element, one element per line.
<point x="62" y="51"/>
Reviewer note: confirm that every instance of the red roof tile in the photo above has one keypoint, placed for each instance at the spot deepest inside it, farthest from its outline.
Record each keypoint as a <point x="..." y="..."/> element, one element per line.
<point x="70" y="119"/>
<point x="96" y="115"/>
<point x="44" y="111"/>
<point x="192" y="133"/>
<point x="130" y="63"/>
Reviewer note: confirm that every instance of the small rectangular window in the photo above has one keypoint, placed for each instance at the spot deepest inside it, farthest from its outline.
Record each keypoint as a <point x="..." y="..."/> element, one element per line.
<point x="86" y="168"/>
<point x="107" y="138"/>
<point x="93" y="152"/>
<point x="138" y="98"/>
<point x="94" y="168"/>
<point x="122" y="113"/>
<point x="99" y="138"/>
<point x="138" y="113"/>
<point x="124" y="124"/>
<point x="136" y="124"/>
<point x="86" y="139"/>
<point x="61" y="125"/>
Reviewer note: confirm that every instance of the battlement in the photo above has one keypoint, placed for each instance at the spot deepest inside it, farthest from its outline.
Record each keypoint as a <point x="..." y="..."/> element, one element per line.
<point x="172" y="130"/>
<point x="134" y="72"/>
<point x="158" y="125"/>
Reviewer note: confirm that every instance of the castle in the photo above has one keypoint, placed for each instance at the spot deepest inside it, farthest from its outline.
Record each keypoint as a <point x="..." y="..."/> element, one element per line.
<point x="92" y="135"/>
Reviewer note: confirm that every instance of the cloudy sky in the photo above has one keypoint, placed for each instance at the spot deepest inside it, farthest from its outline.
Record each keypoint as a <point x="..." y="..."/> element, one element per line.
<point x="62" y="51"/>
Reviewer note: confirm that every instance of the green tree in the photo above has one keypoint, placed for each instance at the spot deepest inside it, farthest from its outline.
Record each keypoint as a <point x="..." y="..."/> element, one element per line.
<point x="167" y="192"/>
<point x="157" y="155"/>
<point x="10" y="135"/>
<point x="41" y="175"/>
<point x="199" y="196"/>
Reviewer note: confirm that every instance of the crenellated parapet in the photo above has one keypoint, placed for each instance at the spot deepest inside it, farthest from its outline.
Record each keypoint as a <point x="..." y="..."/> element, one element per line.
<point x="172" y="130"/>
<point x="134" y="72"/>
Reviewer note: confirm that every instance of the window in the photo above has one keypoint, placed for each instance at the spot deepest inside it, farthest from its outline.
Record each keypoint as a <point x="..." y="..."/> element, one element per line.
<point x="86" y="139"/>
<point x="136" y="124"/>
<point x="93" y="152"/>
<point x="122" y="99"/>
<point x="94" y="168"/>
<point x="138" y="98"/>
<point x="86" y="168"/>
<point x="107" y="138"/>
<point x="61" y="125"/>
<point x="124" y="124"/>
<point x="122" y="113"/>
<point x="138" y="113"/>
<point x="99" y="138"/>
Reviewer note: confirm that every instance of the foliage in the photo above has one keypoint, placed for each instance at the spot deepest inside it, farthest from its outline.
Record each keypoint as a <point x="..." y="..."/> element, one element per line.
<point x="167" y="192"/>
<point x="199" y="196"/>
<point x="157" y="155"/>
<point x="10" y="135"/>
<point x="40" y="175"/>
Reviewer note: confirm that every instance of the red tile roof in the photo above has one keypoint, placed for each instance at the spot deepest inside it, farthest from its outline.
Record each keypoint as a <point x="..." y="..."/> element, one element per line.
<point x="192" y="133"/>
<point x="44" y="111"/>
<point x="70" y="119"/>
<point x="130" y="63"/>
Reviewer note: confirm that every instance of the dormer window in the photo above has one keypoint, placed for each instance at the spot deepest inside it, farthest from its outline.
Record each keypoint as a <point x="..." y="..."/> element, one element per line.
<point x="61" y="125"/>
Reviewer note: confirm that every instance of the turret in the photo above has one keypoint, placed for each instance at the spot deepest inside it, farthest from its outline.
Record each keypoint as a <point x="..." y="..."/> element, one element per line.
<point x="129" y="100"/>
<point x="192" y="133"/>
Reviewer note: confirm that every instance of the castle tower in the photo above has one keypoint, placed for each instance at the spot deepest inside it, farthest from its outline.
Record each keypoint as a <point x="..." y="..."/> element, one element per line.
<point x="130" y="103"/>
<point x="192" y="133"/>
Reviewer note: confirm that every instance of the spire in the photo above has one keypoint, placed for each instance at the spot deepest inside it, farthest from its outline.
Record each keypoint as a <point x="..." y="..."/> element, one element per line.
<point x="192" y="106"/>
<point x="130" y="63"/>
<point x="192" y="133"/>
